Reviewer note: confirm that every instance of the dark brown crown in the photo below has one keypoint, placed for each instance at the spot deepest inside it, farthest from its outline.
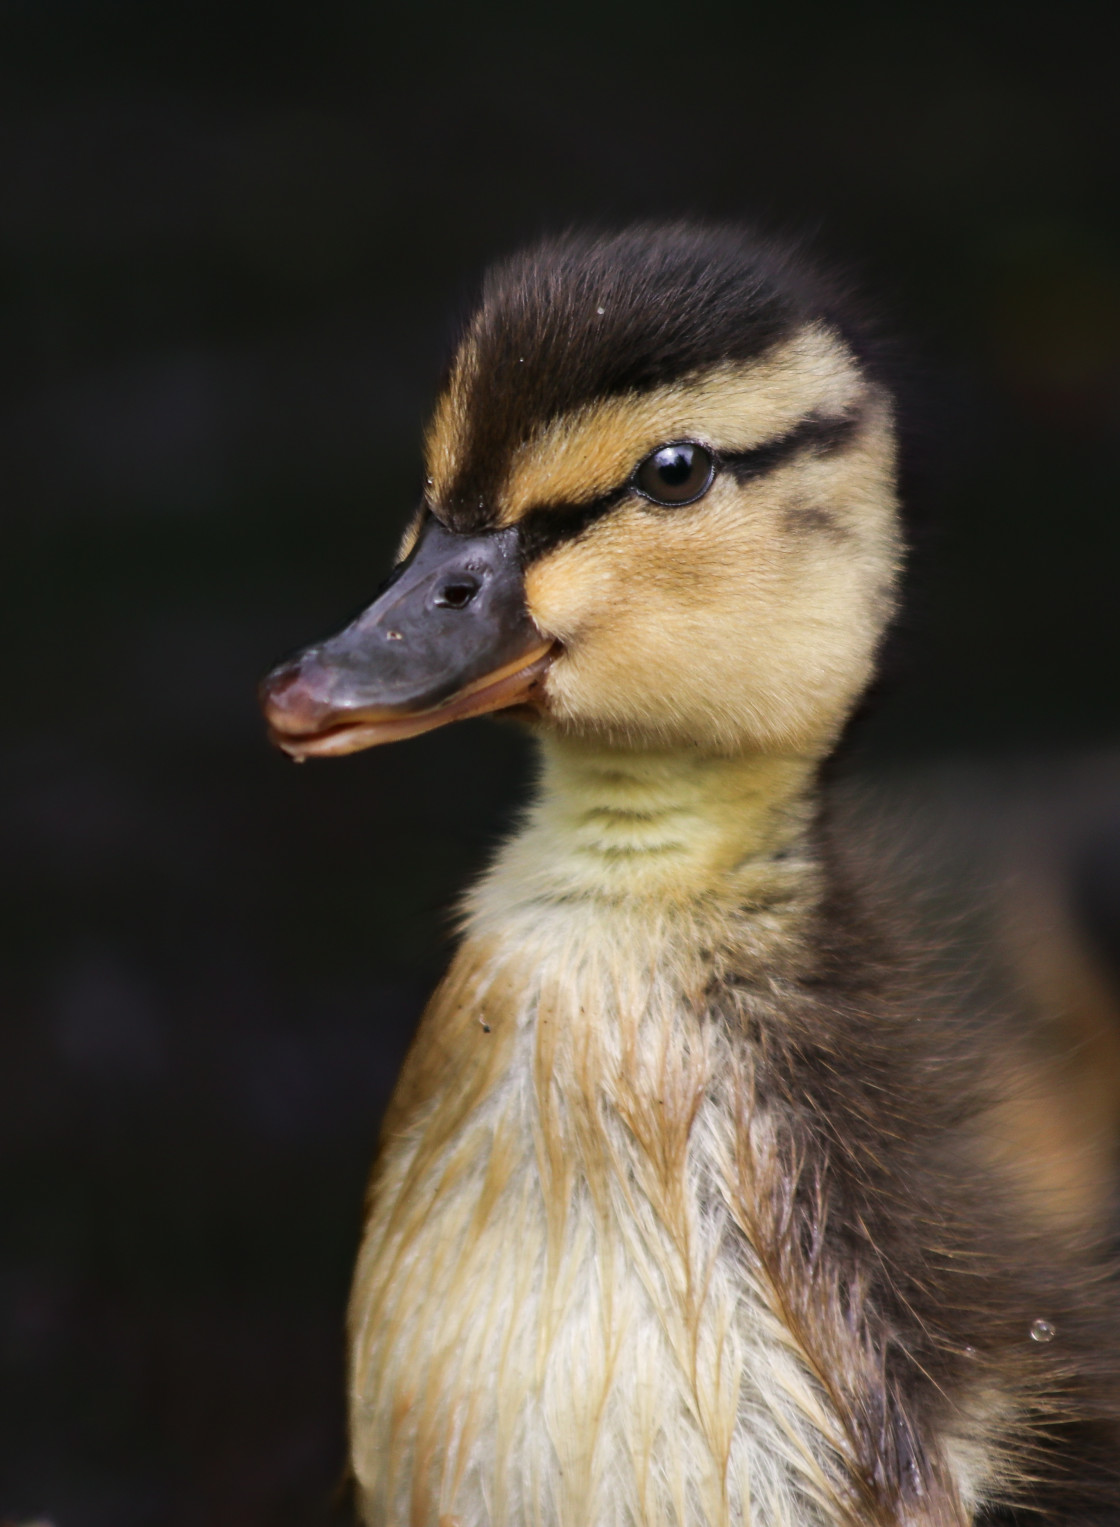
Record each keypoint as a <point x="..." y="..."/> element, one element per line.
<point x="581" y="318"/>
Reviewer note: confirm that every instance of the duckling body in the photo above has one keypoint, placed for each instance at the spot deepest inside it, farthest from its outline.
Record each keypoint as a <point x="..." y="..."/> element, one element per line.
<point x="598" y="1176"/>
<point x="682" y="1216"/>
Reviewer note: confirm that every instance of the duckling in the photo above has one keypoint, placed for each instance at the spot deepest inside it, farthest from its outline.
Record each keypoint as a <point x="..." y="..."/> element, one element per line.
<point x="682" y="1214"/>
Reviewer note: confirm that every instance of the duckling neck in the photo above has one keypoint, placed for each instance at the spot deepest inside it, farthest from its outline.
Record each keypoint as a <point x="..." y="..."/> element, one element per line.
<point x="618" y="824"/>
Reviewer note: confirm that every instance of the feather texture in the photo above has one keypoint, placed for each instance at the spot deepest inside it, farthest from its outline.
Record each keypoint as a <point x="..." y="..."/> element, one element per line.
<point x="687" y="1213"/>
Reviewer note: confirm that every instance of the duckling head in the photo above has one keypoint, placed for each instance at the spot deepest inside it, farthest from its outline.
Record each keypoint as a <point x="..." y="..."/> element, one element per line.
<point x="660" y="512"/>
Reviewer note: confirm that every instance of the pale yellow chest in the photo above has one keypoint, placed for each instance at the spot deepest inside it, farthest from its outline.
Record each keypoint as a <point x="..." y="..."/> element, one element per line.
<point x="567" y="1309"/>
<point x="559" y="1317"/>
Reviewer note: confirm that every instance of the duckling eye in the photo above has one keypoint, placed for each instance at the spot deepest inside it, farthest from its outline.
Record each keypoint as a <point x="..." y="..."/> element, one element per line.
<point x="675" y="474"/>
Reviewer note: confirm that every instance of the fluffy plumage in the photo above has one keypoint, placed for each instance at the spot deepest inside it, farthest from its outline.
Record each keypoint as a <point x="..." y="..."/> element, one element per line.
<point x="684" y="1212"/>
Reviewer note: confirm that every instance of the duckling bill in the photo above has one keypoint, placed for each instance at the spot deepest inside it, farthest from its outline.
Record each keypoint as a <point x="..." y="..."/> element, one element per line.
<point x="449" y="637"/>
<point x="684" y="1213"/>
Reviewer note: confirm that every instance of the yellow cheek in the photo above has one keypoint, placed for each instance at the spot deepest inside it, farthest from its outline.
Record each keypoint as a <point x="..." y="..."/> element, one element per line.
<point x="713" y="622"/>
<point x="656" y="576"/>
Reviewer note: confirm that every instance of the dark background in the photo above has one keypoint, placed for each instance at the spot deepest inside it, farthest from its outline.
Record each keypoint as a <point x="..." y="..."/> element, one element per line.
<point x="233" y="243"/>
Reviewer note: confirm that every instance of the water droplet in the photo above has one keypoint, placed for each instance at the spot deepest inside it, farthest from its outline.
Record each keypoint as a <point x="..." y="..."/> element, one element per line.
<point x="970" y="1351"/>
<point x="600" y="311"/>
<point x="521" y="360"/>
<point x="1042" y="1330"/>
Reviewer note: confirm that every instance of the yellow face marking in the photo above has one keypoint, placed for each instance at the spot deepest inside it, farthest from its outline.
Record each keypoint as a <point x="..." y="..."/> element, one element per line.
<point x="716" y="626"/>
<point x="585" y="454"/>
<point x="446" y="433"/>
<point x="412" y="533"/>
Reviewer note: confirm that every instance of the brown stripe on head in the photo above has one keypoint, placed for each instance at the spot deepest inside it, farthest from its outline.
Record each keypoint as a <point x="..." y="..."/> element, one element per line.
<point x="581" y="322"/>
<point x="733" y="408"/>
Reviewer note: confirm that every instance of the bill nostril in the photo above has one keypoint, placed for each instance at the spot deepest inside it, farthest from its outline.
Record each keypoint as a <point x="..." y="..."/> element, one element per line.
<point x="457" y="593"/>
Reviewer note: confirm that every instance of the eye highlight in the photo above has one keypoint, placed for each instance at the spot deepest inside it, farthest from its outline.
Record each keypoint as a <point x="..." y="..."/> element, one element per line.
<point x="679" y="473"/>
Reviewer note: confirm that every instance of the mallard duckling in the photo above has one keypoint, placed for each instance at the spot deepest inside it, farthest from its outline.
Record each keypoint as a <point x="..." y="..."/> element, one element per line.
<point x="682" y="1215"/>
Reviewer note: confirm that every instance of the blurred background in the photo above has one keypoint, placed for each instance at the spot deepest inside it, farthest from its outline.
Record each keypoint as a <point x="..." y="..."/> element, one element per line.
<point x="234" y="242"/>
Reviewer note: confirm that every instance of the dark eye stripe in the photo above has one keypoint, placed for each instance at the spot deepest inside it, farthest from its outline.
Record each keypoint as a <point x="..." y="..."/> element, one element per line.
<point x="543" y="528"/>
<point x="818" y="432"/>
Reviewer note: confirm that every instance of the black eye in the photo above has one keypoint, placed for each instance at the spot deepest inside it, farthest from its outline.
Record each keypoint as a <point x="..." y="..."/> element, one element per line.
<point x="676" y="474"/>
